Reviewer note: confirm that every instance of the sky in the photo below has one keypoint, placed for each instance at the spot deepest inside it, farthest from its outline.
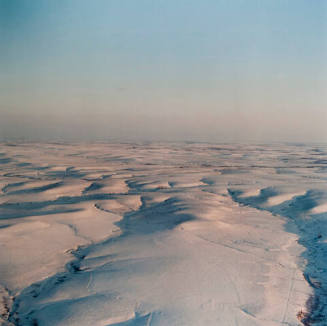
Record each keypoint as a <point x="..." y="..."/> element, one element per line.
<point x="209" y="70"/>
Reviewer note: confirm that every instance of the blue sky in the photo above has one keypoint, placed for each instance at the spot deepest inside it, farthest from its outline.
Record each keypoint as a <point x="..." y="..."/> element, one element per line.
<point x="164" y="70"/>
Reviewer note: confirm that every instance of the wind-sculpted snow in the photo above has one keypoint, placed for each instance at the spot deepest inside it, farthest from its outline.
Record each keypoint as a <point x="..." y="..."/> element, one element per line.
<point x="163" y="234"/>
<point x="311" y="226"/>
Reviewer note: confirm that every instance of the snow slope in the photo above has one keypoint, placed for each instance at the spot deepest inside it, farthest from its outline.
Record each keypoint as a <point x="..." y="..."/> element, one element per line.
<point x="162" y="234"/>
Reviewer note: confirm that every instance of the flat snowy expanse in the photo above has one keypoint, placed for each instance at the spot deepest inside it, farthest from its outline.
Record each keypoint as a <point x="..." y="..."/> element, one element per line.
<point x="163" y="234"/>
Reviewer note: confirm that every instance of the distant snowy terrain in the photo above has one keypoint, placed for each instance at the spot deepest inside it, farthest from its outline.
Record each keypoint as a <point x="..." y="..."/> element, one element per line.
<point x="163" y="234"/>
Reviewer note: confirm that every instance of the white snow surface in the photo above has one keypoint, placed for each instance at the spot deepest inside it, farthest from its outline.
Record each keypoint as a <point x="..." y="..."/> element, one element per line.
<point x="162" y="234"/>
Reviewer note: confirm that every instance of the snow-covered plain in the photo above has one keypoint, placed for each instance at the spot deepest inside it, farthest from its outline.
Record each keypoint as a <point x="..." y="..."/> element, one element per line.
<point x="163" y="234"/>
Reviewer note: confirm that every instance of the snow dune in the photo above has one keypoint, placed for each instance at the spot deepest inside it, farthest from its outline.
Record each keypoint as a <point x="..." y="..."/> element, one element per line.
<point x="162" y="234"/>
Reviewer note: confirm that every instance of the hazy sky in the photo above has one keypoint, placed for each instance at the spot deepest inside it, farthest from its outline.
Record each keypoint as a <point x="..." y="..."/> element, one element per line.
<point x="204" y="70"/>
